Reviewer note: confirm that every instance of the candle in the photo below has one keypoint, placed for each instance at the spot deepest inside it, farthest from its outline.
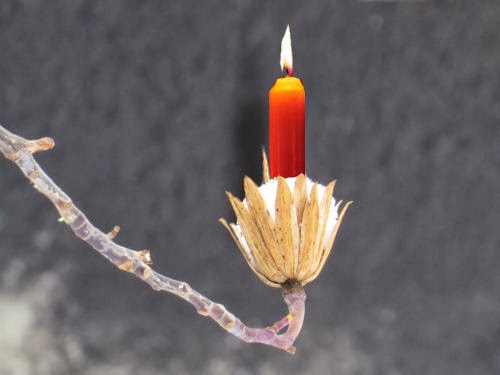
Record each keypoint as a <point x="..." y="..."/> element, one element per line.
<point x="287" y="119"/>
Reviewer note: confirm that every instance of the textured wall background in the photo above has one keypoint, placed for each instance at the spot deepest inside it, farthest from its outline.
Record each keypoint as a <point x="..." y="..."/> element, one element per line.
<point x="157" y="107"/>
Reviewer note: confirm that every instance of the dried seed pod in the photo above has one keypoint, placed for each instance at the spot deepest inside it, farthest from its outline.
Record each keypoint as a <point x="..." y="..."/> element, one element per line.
<point x="285" y="228"/>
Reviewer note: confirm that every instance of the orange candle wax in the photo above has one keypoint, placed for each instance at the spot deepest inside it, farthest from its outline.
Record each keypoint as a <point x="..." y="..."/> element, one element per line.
<point x="287" y="101"/>
<point x="287" y="115"/>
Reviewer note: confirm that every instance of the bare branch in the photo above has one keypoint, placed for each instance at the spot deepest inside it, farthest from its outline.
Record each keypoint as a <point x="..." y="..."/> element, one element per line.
<point x="20" y="151"/>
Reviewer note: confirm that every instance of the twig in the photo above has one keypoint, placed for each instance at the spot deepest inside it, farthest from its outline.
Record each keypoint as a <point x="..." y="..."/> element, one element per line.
<point x="20" y="151"/>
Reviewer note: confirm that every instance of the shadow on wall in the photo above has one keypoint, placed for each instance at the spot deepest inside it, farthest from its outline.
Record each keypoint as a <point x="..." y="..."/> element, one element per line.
<point x="250" y="122"/>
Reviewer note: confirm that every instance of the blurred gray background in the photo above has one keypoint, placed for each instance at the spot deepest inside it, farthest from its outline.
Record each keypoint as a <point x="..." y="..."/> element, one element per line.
<point x="158" y="107"/>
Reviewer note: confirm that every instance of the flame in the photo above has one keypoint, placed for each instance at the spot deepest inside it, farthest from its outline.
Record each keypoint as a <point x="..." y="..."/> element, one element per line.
<point x="286" y="58"/>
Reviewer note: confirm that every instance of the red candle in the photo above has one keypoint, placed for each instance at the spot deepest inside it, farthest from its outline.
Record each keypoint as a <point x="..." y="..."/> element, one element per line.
<point x="287" y="119"/>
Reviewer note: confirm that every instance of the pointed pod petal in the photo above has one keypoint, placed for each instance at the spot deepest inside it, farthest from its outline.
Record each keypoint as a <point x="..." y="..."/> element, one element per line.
<point x="286" y="228"/>
<point x="243" y="247"/>
<point x="300" y="195"/>
<point x="265" y="167"/>
<point x="248" y="257"/>
<point x="324" y="212"/>
<point x="329" y="245"/>
<point x="308" y="232"/>
<point x="263" y="261"/>
<point x="257" y="209"/>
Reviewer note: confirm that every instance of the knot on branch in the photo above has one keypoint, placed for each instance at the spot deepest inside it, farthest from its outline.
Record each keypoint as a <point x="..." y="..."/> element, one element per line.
<point x="114" y="232"/>
<point x="42" y="144"/>
<point x="145" y="256"/>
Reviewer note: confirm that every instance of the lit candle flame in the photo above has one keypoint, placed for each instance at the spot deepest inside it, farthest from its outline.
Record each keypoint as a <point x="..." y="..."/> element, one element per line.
<point x="286" y="59"/>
